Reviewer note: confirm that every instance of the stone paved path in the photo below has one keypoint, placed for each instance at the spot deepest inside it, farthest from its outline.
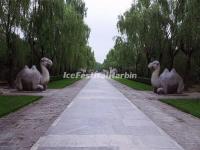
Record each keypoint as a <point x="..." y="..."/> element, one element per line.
<point x="102" y="118"/>
<point x="182" y="127"/>
<point x="21" y="129"/>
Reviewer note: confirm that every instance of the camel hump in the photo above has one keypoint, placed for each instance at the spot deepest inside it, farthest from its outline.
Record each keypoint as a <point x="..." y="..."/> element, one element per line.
<point x="26" y="67"/>
<point x="173" y="70"/>
<point x="166" y="70"/>
<point x="35" y="71"/>
<point x="33" y="67"/>
<point x="164" y="73"/>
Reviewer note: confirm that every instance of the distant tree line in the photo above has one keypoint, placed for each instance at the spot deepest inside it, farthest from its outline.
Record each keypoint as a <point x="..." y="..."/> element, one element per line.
<point x="163" y="30"/>
<point x="32" y="29"/>
<point x="98" y="67"/>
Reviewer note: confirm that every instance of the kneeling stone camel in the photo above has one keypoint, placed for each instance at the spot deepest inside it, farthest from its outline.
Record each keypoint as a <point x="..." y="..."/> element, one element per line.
<point x="168" y="82"/>
<point x="30" y="79"/>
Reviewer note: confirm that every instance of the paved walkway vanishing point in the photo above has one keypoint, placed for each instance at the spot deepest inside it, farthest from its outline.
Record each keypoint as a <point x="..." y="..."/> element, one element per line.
<point x="102" y="118"/>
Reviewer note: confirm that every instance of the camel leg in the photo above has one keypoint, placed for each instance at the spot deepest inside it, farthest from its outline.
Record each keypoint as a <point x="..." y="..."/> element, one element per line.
<point x="19" y="85"/>
<point x="180" y="88"/>
<point x="38" y="87"/>
<point x="165" y="89"/>
<point x="160" y="91"/>
<point x="45" y="87"/>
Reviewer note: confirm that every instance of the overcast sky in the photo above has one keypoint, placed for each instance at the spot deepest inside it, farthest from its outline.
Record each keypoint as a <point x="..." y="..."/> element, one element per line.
<point x="102" y="16"/>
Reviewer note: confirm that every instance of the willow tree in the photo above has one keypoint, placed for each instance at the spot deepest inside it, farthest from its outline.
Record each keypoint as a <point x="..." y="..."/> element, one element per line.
<point x="12" y="19"/>
<point x="165" y="30"/>
<point x="142" y="26"/>
<point x="33" y="29"/>
<point x="62" y="35"/>
<point x="189" y="30"/>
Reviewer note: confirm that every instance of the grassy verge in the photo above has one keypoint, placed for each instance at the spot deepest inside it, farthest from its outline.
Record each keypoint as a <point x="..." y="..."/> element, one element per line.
<point x="135" y="85"/>
<point x="191" y="106"/>
<point x="59" y="84"/>
<point x="12" y="103"/>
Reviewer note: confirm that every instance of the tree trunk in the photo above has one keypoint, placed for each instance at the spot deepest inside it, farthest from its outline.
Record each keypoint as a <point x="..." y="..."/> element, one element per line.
<point x="148" y="61"/>
<point x="10" y="62"/>
<point x="188" y="70"/>
<point x="160" y="58"/>
<point x="11" y="72"/>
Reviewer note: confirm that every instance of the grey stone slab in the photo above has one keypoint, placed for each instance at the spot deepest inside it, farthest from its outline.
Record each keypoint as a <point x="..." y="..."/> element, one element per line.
<point x="78" y="148"/>
<point x="101" y="117"/>
<point x="7" y="148"/>
<point x="152" y="142"/>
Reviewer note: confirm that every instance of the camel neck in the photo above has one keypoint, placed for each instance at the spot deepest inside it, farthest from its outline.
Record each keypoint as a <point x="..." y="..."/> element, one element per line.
<point x="156" y="73"/>
<point x="45" y="73"/>
<point x="155" y="78"/>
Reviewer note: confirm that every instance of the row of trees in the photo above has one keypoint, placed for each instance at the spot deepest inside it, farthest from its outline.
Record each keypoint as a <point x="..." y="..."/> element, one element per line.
<point x="32" y="29"/>
<point x="165" y="30"/>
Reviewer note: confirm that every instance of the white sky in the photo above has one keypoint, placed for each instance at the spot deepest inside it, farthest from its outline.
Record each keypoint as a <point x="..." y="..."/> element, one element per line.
<point x="102" y="16"/>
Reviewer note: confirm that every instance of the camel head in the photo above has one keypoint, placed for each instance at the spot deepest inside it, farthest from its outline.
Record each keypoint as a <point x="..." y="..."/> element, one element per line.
<point x="155" y="65"/>
<point x="46" y="62"/>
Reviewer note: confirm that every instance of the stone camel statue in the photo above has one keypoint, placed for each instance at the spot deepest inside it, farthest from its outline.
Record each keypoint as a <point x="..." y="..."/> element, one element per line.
<point x="168" y="82"/>
<point x="30" y="79"/>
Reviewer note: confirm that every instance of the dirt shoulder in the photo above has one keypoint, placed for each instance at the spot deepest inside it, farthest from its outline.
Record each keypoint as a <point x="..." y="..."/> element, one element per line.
<point x="182" y="127"/>
<point x="20" y="130"/>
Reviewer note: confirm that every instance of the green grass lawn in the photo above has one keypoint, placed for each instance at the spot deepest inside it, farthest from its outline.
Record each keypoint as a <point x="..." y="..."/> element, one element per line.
<point x="12" y="103"/>
<point x="191" y="106"/>
<point x="59" y="84"/>
<point x="135" y="85"/>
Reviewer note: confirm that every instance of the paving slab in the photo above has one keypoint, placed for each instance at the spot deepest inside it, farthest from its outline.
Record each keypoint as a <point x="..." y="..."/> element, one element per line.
<point x="102" y="118"/>
<point x="182" y="127"/>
